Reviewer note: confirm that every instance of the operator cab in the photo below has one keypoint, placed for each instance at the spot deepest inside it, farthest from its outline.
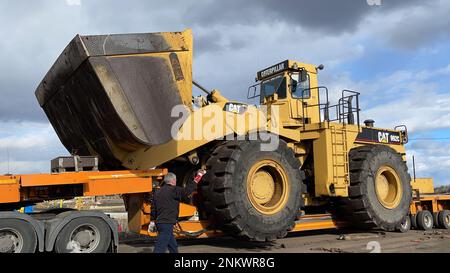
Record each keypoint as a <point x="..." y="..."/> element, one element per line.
<point x="293" y="87"/>
<point x="288" y="85"/>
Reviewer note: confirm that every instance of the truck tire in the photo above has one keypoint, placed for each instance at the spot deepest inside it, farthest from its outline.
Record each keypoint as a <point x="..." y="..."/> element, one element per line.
<point x="252" y="194"/>
<point x="413" y="218"/>
<point x="84" y="235"/>
<point x="405" y="225"/>
<point x="444" y="219"/>
<point x="17" y="236"/>
<point x="380" y="191"/>
<point x="425" y="220"/>
<point x="436" y="219"/>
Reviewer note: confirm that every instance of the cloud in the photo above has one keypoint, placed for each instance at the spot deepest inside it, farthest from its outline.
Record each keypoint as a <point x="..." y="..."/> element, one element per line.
<point x="25" y="167"/>
<point x="232" y="69"/>
<point x="330" y="17"/>
<point x="27" y="147"/>
<point x="330" y="32"/>
<point x="432" y="160"/>
<point x="41" y="31"/>
<point x="411" y="27"/>
<point x="73" y="2"/>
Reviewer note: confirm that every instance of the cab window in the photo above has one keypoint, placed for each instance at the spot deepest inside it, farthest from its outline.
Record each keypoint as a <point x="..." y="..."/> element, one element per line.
<point x="299" y="88"/>
<point x="272" y="86"/>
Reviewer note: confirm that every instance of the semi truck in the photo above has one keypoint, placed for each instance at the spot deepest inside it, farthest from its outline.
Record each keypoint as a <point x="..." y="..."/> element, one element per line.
<point x="123" y="106"/>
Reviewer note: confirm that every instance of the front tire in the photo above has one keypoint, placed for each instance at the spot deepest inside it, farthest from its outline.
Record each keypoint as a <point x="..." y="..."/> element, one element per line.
<point x="250" y="193"/>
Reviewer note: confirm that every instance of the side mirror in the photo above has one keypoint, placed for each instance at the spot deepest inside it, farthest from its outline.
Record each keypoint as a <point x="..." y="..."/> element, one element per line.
<point x="303" y="75"/>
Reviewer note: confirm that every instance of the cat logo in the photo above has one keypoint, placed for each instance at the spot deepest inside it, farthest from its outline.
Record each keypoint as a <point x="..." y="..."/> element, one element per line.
<point x="235" y="108"/>
<point x="383" y="137"/>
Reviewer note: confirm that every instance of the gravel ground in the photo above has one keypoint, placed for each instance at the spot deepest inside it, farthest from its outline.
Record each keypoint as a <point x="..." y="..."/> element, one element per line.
<point x="325" y="241"/>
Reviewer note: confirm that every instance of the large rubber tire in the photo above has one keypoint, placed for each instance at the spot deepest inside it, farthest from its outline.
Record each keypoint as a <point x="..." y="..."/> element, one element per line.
<point x="102" y="230"/>
<point x="425" y="220"/>
<point x="363" y="207"/>
<point x="436" y="219"/>
<point x="226" y="197"/>
<point x="444" y="219"/>
<point x="413" y="218"/>
<point x="22" y="231"/>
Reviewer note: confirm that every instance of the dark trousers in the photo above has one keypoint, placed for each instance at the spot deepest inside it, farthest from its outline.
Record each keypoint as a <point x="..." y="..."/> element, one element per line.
<point x="165" y="239"/>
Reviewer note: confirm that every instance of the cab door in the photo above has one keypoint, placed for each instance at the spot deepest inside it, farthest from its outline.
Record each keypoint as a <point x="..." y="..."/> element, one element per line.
<point x="304" y="100"/>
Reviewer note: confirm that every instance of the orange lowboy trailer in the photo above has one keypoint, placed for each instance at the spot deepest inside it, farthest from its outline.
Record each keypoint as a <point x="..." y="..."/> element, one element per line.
<point x="48" y="227"/>
<point x="93" y="231"/>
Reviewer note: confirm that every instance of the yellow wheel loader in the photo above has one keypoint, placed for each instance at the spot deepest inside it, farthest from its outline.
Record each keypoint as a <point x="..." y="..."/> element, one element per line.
<point x="127" y="98"/>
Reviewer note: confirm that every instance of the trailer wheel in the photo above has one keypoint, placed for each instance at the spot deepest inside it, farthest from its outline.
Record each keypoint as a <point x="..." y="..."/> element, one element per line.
<point x="436" y="219"/>
<point x="413" y="218"/>
<point x="425" y="220"/>
<point x="405" y="225"/>
<point x="84" y="235"/>
<point x="444" y="219"/>
<point x="17" y="236"/>
<point x="252" y="194"/>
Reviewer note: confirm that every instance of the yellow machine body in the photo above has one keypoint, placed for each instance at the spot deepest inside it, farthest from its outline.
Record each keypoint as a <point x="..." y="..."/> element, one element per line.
<point x="144" y="83"/>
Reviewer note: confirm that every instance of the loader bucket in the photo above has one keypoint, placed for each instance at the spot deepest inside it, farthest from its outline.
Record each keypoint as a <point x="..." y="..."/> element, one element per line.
<point x="108" y="95"/>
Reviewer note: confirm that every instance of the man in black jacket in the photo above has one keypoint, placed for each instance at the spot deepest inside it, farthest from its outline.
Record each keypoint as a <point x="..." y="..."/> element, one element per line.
<point x="165" y="209"/>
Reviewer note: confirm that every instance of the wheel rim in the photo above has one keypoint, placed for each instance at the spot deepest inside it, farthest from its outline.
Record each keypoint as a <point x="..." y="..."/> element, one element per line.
<point x="11" y="241"/>
<point x="405" y="224"/>
<point x="84" y="239"/>
<point x="447" y="219"/>
<point x="428" y="221"/>
<point x="388" y="187"/>
<point x="267" y="187"/>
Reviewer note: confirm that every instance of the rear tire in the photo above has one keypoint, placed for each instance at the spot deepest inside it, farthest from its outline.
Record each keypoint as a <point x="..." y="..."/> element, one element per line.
<point x="17" y="236"/>
<point x="425" y="220"/>
<point x="444" y="219"/>
<point x="380" y="191"/>
<point x="239" y="179"/>
<point x="84" y="235"/>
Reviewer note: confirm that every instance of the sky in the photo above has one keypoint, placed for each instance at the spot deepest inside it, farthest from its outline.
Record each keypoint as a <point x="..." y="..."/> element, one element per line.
<point x="394" y="52"/>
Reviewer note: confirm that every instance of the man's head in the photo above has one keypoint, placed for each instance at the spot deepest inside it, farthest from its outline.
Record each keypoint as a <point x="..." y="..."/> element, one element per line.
<point x="170" y="179"/>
